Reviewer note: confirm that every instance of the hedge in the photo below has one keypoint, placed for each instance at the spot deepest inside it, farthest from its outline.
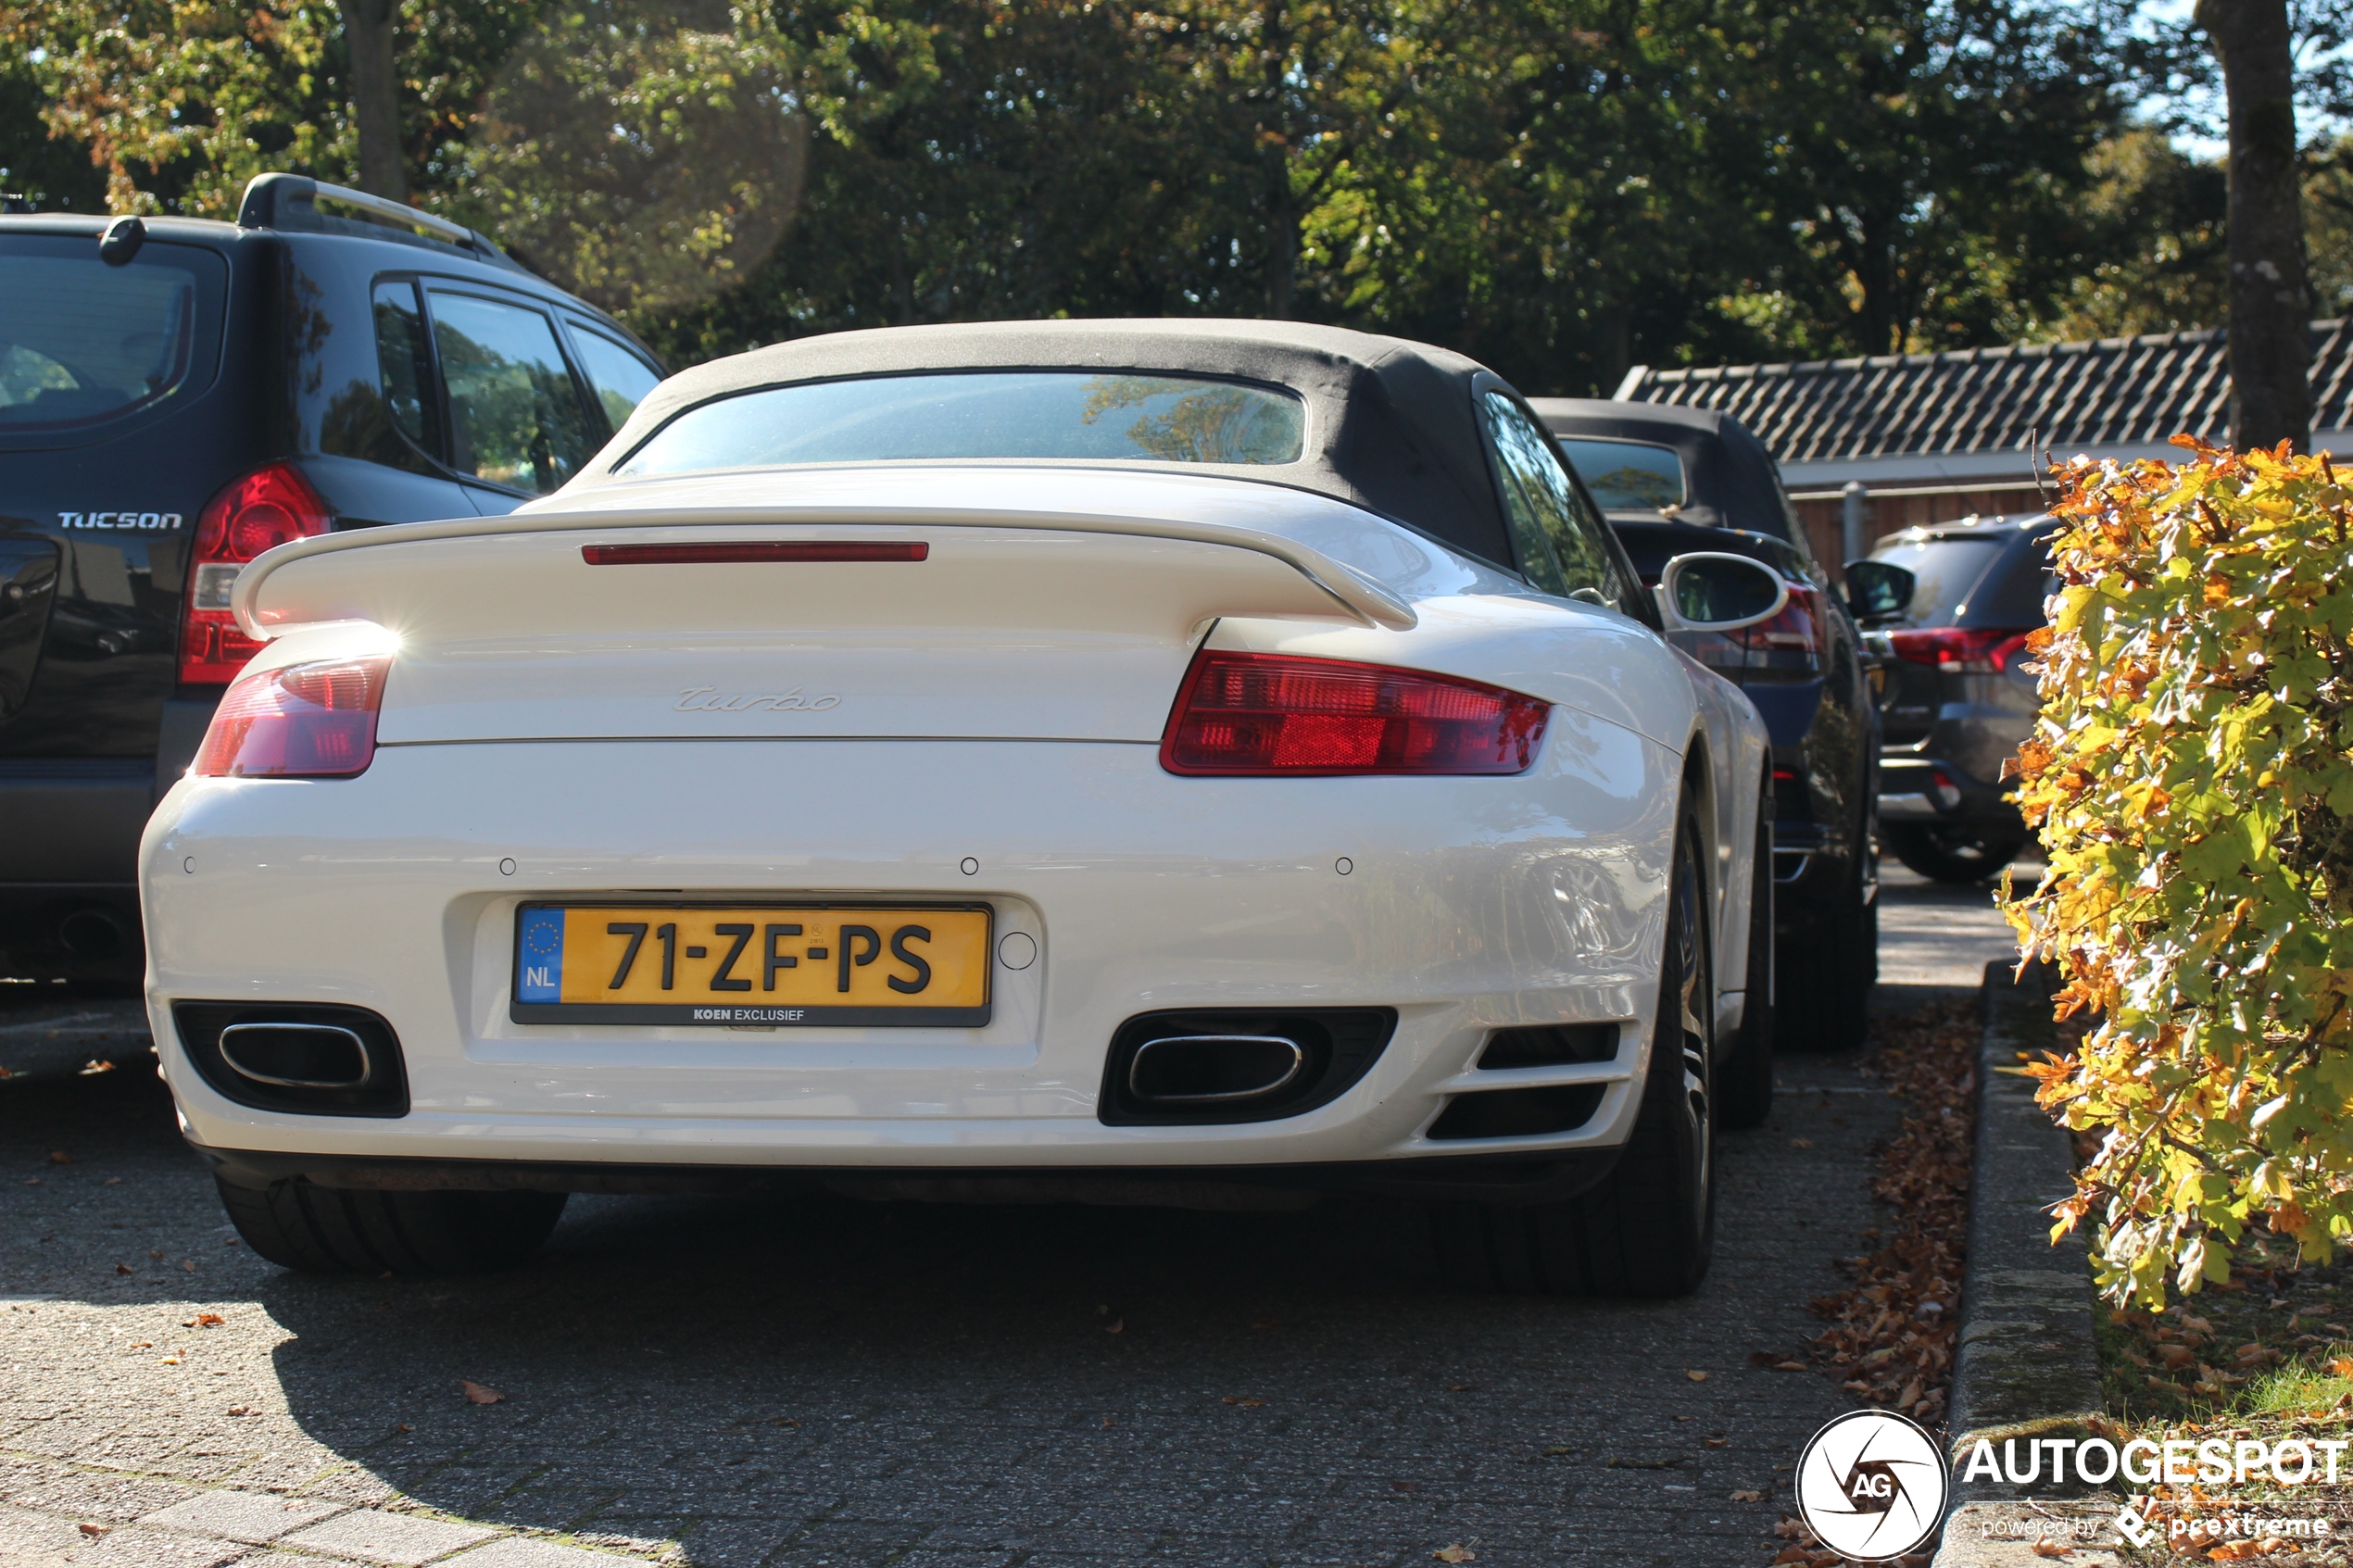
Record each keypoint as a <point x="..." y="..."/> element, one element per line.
<point x="2190" y="776"/>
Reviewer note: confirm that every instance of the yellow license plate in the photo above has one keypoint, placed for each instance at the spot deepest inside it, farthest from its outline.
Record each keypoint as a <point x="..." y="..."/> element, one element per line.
<point x="778" y="965"/>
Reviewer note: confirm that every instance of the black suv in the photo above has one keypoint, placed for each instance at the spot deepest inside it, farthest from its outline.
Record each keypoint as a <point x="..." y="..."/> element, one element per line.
<point x="1673" y="481"/>
<point x="1958" y="601"/>
<point x="176" y="397"/>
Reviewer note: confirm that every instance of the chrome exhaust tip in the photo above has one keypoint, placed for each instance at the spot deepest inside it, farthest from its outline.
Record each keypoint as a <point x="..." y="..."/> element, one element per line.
<point x="1213" y="1069"/>
<point x="297" y="1055"/>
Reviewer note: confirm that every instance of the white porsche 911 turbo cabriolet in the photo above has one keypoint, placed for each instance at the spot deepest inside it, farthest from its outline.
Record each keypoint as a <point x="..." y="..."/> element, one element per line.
<point x="1159" y="762"/>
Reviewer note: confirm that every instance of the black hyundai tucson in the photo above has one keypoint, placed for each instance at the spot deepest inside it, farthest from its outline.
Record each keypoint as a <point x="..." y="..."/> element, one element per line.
<point x="176" y="397"/>
<point x="1672" y="480"/>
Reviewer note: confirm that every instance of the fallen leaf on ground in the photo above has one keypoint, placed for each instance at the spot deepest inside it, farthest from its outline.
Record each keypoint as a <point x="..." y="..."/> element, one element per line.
<point x="1801" y="1143"/>
<point x="144" y="1345"/>
<point x="94" y="1531"/>
<point x="1697" y="1376"/>
<point x="2049" y="1548"/>
<point x="32" y="1181"/>
<point x="1460" y="1387"/>
<point x="93" y="1066"/>
<point x="1560" y="1448"/>
<point x="1455" y="1554"/>
<point x="111" y="1182"/>
<point x="1718" y="1442"/>
<point x="205" y="1319"/>
<point x="1116" y="1325"/>
<point x="1882" y="1342"/>
<point x="59" y="1157"/>
<point x="189" y="1264"/>
<point x="402" y="1426"/>
<point x="479" y="1395"/>
<point x="239" y="1410"/>
<point x="2341" y="1367"/>
<point x="1789" y="1366"/>
<point x="1748" y="1497"/>
<point x="1245" y="1401"/>
<point x="122" y="1268"/>
<point x="174" y="1361"/>
<point x="154" y="1255"/>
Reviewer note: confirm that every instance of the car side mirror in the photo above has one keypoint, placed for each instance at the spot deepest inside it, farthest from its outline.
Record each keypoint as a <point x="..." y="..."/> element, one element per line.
<point x="1711" y="591"/>
<point x="1876" y="590"/>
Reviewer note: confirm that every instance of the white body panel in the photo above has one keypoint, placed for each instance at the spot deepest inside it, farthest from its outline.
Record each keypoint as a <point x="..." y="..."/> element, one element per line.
<point x="1002" y="704"/>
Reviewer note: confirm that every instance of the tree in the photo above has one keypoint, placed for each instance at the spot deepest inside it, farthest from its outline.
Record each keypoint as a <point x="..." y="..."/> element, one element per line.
<point x="368" y="28"/>
<point x="2270" y="349"/>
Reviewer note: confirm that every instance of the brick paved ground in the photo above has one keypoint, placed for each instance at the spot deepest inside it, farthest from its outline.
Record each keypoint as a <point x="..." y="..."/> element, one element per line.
<point x="828" y="1383"/>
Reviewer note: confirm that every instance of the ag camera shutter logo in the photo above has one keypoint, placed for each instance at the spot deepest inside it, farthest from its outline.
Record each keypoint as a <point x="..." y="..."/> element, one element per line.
<point x="1872" y="1485"/>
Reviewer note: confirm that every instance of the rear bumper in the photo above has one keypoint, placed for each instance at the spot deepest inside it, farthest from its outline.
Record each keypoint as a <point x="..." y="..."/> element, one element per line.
<point x="1467" y="905"/>
<point x="70" y="851"/>
<point x="1921" y="789"/>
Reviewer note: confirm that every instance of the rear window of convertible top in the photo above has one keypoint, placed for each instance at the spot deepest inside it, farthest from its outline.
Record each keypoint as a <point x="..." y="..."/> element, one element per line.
<point x="1077" y="415"/>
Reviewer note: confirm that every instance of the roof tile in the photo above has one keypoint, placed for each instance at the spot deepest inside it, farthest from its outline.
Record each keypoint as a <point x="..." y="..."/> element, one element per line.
<point x="2060" y="397"/>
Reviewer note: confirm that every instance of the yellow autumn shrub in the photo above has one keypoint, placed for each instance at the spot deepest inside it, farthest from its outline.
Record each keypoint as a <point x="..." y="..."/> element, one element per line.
<point x="2191" y="778"/>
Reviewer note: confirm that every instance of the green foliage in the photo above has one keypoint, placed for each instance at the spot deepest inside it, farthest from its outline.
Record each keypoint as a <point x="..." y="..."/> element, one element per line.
<point x="638" y="154"/>
<point x="1559" y="187"/>
<point x="2192" y="777"/>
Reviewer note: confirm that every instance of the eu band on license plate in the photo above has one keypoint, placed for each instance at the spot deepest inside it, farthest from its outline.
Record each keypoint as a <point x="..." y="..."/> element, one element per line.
<point x="773" y="965"/>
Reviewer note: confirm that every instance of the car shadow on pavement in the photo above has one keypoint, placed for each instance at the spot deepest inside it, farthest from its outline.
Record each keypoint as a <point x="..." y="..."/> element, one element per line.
<point x="813" y="1379"/>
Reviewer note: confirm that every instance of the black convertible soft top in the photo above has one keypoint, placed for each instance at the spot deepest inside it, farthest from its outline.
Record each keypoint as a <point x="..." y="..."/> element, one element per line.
<point x="1392" y="426"/>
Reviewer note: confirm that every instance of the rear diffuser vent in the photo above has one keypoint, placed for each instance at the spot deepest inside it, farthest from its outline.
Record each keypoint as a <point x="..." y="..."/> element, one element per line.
<point x="1519" y="1114"/>
<point x="1550" y="1045"/>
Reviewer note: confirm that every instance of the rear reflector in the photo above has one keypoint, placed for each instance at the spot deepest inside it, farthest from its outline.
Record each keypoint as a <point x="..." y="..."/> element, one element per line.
<point x="301" y="721"/>
<point x="1256" y="713"/>
<point x="698" y="555"/>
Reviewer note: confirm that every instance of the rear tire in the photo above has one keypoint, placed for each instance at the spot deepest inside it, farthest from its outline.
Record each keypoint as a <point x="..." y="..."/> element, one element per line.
<point x="1744" y="1083"/>
<point x="1961" y="856"/>
<point x="1649" y="1229"/>
<point x="331" y="1230"/>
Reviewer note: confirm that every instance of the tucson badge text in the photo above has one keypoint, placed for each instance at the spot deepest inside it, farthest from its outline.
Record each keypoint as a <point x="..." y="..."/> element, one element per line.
<point x="143" y="521"/>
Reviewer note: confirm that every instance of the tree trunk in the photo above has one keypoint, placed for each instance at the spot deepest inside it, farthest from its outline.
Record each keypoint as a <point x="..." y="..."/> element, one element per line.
<point x="2270" y="341"/>
<point x="1275" y="152"/>
<point x="375" y="95"/>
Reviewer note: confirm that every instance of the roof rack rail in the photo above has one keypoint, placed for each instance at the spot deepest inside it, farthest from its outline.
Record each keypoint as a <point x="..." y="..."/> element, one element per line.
<point x="290" y="202"/>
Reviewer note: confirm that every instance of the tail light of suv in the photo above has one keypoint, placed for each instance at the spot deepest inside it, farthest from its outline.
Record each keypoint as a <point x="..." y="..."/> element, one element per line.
<point x="1271" y="714"/>
<point x="297" y="721"/>
<point x="1792" y="646"/>
<point x="1966" y="650"/>
<point x="268" y="507"/>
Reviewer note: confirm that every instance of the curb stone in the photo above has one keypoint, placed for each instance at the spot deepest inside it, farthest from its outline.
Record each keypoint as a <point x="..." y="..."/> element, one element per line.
<point x="2028" y="1364"/>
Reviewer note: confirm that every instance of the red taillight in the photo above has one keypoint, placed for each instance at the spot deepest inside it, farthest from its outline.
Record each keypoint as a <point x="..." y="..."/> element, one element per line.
<point x="1273" y="714"/>
<point x="267" y="508"/>
<point x="1799" y="629"/>
<point x="300" y="721"/>
<point x="1975" y="651"/>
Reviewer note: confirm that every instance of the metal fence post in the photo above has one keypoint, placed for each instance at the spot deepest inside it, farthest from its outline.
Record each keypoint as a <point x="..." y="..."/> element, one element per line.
<point x="1851" y="518"/>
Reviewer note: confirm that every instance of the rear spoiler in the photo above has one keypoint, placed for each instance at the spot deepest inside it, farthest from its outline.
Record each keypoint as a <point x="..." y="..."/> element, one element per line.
<point x="1360" y="597"/>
